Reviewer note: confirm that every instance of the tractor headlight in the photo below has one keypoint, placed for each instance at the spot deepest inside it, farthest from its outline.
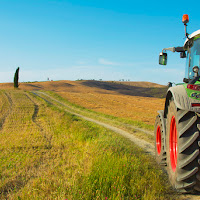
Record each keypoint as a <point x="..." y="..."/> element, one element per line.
<point x="193" y="94"/>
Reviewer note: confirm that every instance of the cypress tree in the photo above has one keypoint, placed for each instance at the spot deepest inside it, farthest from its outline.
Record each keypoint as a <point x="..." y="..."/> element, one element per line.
<point x="16" y="78"/>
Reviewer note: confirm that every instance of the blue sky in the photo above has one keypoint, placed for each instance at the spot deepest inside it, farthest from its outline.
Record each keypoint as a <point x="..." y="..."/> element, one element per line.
<point x="93" y="39"/>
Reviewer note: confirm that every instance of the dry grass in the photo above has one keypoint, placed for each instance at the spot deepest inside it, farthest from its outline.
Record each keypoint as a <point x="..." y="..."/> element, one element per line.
<point x="135" y="108"/>
<point x="110" y="102"/>
<point x="46" y="153"/>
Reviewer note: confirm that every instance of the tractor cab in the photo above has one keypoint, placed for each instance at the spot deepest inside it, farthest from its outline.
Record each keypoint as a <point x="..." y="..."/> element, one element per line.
<point x="190" y="51"/>
<point x="192" y="46"/>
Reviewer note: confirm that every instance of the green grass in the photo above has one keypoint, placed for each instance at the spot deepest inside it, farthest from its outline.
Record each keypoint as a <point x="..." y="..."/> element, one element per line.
<point x="50" y="154"/>
<point x="120" y="171"/>
<point x="143" y="136"/>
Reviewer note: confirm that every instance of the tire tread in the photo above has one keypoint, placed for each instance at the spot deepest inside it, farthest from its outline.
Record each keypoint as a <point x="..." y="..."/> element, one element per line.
<point x="185" y="178"/>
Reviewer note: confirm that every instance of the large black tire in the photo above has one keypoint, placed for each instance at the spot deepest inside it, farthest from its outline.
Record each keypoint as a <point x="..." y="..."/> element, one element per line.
<point x="160" y="153"/>
<point x="182" y="149"/>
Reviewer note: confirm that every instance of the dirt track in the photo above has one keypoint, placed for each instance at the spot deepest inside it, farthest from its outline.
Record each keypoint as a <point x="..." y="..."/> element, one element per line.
<point x="146" y="146"/>
<point x="141" y="143"/>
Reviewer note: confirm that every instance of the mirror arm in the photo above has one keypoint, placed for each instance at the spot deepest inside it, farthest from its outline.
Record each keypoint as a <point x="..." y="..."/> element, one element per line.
<point x="173" y="49"/>
<point x="179" y="49"/>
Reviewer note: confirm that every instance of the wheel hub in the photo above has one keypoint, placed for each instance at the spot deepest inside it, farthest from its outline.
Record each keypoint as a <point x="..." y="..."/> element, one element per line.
<point x="173" y="143"/>
<point x="158" y="140"/>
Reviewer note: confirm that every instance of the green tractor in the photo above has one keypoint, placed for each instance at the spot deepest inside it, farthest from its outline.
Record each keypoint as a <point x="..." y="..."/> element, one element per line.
<point x="177" y="138"/>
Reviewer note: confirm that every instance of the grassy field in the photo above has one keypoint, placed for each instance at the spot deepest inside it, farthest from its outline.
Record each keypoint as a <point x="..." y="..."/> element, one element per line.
<point x="47" y="153"/>
<point x="135" y="101"/>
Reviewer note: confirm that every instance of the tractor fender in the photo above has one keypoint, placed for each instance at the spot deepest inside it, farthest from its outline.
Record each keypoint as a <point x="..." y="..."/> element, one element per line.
<point x="181" y="100"/>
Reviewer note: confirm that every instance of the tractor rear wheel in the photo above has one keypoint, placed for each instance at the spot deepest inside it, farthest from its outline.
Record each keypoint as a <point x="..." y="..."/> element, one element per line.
<point x="159" y="141"/>
<point x="182" y="149"/>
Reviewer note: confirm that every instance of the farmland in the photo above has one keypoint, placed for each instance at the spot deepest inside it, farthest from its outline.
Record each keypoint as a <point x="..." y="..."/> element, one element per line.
<point x="137" y="101"/>
<point x="49" y="153"/>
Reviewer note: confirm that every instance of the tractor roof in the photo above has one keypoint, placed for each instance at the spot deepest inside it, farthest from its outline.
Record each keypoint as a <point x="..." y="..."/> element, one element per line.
<point x="195" y="34"/>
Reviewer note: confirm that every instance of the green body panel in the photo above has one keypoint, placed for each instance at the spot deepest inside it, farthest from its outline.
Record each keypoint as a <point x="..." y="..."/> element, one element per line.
<point x="193" y="94"/>
<point x="196" y="37"/>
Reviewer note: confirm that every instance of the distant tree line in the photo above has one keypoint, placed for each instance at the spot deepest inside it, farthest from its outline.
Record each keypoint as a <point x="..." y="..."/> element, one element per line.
<point x="102" y="80"/>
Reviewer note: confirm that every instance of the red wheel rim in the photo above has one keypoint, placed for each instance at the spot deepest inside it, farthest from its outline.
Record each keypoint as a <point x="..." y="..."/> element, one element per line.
<point x="158" y="140"/>
<point x="173" y="143"/>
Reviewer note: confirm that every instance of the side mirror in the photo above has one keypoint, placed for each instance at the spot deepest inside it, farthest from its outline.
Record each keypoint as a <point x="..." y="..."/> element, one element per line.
<point x="169" y="84"/>
<point x="183" y="54"/>
<point x="163" y="58"/>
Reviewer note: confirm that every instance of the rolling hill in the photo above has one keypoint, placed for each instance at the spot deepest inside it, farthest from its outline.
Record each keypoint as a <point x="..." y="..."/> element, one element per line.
<point x="138" y="101"/>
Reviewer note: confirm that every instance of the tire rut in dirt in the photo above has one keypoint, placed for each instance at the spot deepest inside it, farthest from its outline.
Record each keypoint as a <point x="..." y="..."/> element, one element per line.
<point x="182" y="138"/>
<point x="36" y="109"/>
<point x="9" y="98"/>
<point x="48" y="138"/>
<point x="4" y="117"/>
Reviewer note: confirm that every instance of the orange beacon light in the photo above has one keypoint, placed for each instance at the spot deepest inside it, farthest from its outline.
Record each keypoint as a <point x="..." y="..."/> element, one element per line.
<point x="185" y="19"/>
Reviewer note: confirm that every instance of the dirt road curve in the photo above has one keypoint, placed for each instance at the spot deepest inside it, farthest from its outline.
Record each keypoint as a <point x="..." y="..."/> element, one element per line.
<point x="146" y="146"/>
<point x="141" y="143"/>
